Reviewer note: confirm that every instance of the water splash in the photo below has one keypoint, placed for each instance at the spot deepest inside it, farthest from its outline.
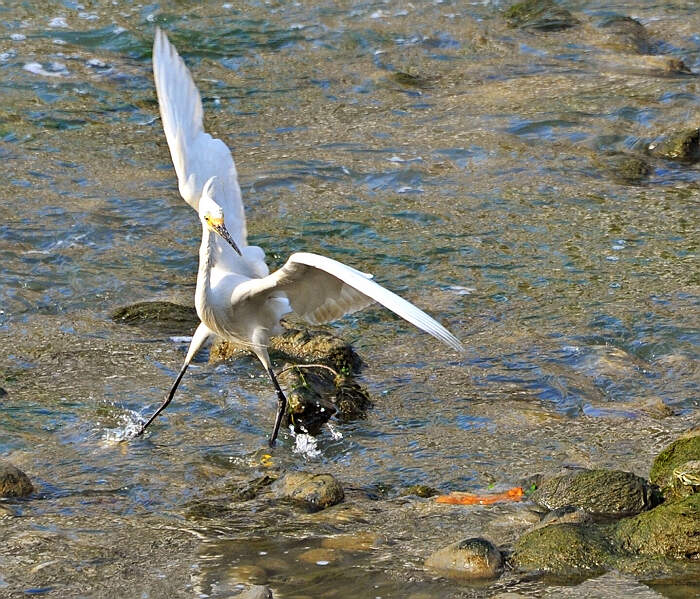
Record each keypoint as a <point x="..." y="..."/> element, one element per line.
<point x="130" y="423"/>
<point x="305" y="444"/>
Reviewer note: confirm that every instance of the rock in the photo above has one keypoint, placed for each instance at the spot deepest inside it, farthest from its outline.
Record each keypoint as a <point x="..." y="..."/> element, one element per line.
<point x="318" y="491"/>
<point x="567" y="514"/>
<point x="675" y="456"/>
<point x="308" y="391"/>
<point x="14" y="482"/>
<point x="250" y="489"/>
<point x="607" y="492"/>
<point x="540" y="15"/>
<point x="300" y="347"/>
<point x="623" y="168"/>
<point x="624" y="34"/>
<point x="315" y="394"/>
<point x="474" y="558"/>
<point x="321" y="556"/>
<point x="671" y="530"/>
<point x="420" y="491"/>
<point x="255" y="592"/>
<point x="166" y="317"/>
<point x="352" y="542"/>
<point x="563" y="550"/>
<point x="409" y="80"/>
<point x="2" y="392"/>
<point x="682" y="146"/>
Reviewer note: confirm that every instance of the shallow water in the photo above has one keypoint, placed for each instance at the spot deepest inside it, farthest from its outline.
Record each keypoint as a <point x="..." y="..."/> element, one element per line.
<point x="472" y="187"/>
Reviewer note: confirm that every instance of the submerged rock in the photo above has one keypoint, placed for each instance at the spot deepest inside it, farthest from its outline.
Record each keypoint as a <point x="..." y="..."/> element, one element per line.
<point x="315" y="394"/>
<point x="671" y="530"/>
<point x="308" y="393"/>
<point x="409" y="80"/>
<point x="624" y="34"/>
<point x="165" y="316"/>
<point x="299" y="347"/>
<point x="623" y="168"/>
<point x="541" y="15"/>
<point x="668" y="467"/>
<point x="474" y="558"/>
<point x="563" y="550"/>
<point x="256" y="591"/>
<point x="14" y="482"/>
<point x="683" y="146"/>
<point x="318" y="491"/>
<point x="420" y="491"/>
<point x="608" y="492"/>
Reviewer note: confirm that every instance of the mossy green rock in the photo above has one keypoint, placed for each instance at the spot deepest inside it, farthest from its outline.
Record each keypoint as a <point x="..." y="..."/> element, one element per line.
<point x="608" y="492"/>
<point x="167" y="317"/>
<point x="299" y="346"/>
<point x="542" y="15"/>
<point x="623" y="168"/>
<point x="563" y="550"/>
<point x="308" y="392"/>
<point x="14" y="482"/>
<point x="675" y="456"/>
<point x="671" y="530"/>
<point x="683" y="146"/>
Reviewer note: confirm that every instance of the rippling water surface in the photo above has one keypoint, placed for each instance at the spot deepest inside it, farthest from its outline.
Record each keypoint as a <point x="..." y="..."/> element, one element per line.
<point x="463" y="162"/>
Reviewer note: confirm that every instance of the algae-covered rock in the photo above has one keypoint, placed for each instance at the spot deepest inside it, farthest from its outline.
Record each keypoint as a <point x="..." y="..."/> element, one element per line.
<point x="665" y="470"/>
<point x="308" y="391"/>
<point x="316" y="393"/>
<point x="542" y="15"/>
<point x="567" y="514"/>
<point x="623" y="168"/>
<point x="167" y="317"/>
<point x="609" y="492"/>
<point x="14" y="482"/>
<point x="474" y="558"/>
<point x="424" y="491"/>
<point x="318" y="491"/>
<point x="563" y="550"/>
<point x="300" y="347"/>
<point x="683" y="146"/>
<point x="671" y="530"/>
<point x="624" y="34"/>
<point x="410" y="80"/>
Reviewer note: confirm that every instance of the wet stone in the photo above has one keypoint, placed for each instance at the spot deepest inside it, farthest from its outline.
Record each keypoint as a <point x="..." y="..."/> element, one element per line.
<point x="352" y="542"/>
<point x="2" y="392"/>
<point x="474" y="558"/>
<point x="624" y="168"/>
<point x="671" y="530"/>
<point x="567" y="514"/>
<point x="255" y="592"/>
<point x="14" y="482"/>
<point x="318" y="491"/>
<point x="624" y="34"/>
<point x="540" y="15"/>
<point x="606" y="492"/>
<point x="308" y="392"/>
<point x="682" y="146"/>
<point x="666" y="471"/>
<point x="563" y="550"/>
<point x="420" y="491"/>
<point x="299" y="347"/>
<point x="166" y="317"/>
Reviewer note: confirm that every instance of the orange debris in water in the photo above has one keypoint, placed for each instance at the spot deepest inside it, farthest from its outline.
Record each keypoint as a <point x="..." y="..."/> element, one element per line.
<point x="514" y="494"/>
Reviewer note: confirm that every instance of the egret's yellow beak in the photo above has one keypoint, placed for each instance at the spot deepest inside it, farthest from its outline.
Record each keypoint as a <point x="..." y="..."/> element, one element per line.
<point x="217" y="225"/>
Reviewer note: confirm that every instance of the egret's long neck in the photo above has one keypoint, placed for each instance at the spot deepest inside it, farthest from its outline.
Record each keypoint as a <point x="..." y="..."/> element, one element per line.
<point x="206" y="261"/>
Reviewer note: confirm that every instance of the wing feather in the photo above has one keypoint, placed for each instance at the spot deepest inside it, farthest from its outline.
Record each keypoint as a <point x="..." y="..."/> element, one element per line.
<point x="197" y="156"/>
<point x="320" y="289"/>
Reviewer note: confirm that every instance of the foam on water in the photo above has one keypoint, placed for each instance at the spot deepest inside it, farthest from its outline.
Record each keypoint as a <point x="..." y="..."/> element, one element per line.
<point x="130" y="424"/>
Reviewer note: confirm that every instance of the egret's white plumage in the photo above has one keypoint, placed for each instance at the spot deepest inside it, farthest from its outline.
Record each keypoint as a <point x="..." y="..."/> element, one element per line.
<point x="236" y="297"/>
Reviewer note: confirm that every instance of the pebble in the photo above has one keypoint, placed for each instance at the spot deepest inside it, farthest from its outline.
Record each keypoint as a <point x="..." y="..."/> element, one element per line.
<point x="14" y="482"/>
<point x="473" y="558"/>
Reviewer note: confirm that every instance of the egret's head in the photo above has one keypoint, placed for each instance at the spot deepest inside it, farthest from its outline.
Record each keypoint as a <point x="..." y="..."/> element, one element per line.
<point x="212" y="215"/>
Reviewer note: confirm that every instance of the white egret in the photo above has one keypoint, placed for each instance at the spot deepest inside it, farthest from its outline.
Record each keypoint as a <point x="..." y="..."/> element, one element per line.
<point x="236" y="296"/>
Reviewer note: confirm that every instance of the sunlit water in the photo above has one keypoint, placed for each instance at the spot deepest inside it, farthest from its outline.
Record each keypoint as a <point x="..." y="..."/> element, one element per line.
<point x="475" y="190"/>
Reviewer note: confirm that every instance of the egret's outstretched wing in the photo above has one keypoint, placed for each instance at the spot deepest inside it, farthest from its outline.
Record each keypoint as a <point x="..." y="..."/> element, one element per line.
<point x="320" y="289"/>
<point x="197" y="156"/>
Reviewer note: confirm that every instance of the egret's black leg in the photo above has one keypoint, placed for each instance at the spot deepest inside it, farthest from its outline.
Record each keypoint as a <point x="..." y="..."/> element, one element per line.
<point x="168" y="399"/>
<point x="281" y="406"/>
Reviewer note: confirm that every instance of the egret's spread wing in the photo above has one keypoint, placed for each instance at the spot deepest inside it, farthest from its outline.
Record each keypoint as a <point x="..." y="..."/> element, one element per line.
<point x="197" y="156"/>
<point x="320" y="289"/>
